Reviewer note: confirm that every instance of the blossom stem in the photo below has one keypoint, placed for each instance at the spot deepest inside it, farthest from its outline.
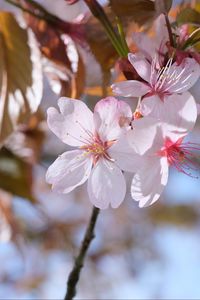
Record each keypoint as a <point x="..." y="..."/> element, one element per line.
<point x="79" y="261"/>
<point x="99" y="13"/>
<point x="122" y="34"/>
<point x="171" y="39"/>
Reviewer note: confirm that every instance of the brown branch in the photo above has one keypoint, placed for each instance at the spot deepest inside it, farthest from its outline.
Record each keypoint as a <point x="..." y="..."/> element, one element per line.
<point x="171" y="39"/>
<point x="79" y="261"/>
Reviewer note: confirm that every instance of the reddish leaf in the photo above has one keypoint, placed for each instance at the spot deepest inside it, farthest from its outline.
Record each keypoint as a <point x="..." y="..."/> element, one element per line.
<point x="20" y="75"/>
<point x="140" y="11"/>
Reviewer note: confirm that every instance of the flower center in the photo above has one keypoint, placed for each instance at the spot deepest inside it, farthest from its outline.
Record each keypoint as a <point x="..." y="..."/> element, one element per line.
<point x="180" y="155"/>
<point x="166" y="79"/>
<point x="95" y="149"/>
<point x="98" y="149"/>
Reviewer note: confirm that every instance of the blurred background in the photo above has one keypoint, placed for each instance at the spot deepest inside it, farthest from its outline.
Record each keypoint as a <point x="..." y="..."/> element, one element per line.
<point x="149" y="253"/>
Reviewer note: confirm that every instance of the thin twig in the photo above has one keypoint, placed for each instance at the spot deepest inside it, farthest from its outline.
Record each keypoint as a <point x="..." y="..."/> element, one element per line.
<point x="171" y="39"/>
<point x="79" y="261"/>
<point x="99" y="13"/>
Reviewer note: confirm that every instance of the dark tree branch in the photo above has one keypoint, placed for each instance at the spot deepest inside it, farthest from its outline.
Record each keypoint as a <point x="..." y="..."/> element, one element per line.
<point x="171" y="39"/>
<point x="79" y="261"/>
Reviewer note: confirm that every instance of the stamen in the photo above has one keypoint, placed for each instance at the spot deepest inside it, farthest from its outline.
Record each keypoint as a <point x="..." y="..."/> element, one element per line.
<point x="181" y="155"/>
<point x="168" y="77"/>
<point x="83" y="141"/>
<point x="97" y="149"/>
<point x="84" y="129"/>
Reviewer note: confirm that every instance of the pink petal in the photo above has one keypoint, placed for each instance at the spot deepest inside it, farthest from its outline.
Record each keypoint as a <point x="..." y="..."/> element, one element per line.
<point x="148" y="184"/>
<point x="162" y="35"/>
<point x="130" y="88"/>
<point x="179" y="111"/>
<point x="145" y="44"/>
<point x="141" y="65"/>
<point x="195" y="91"/>
<point x="106" y="185"/>
<point x="124" y="155"/>
<point x="110" y="116"/>
<point x="69" y="170"/>
<point x="152" y="106"/>
<point x="143" y="135"/>
<point x="198" y="109"/>
<point x="190" y="72"/>
<point x="74" y="125"/>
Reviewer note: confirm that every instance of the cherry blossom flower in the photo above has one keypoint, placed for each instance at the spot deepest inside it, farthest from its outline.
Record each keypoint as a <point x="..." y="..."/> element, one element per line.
<point x="160" y="146"/>
<point x="195" y="91"/>
<point x="159" y="45"/>
<point x="98" y="158"/>
<point x="162" y="88"/>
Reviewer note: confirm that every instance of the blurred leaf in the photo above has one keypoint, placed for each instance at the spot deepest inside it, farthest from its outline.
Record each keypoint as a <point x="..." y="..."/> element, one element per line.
<point x="58" y="77"/>
<point x="188" y="15"/>
<point x="51" y="44"/>
<point x="97" y="91"/>
<point x="20" y="75"/>
<point x="184" y="215"/>
<point x="64" y="82"/>
<point x="78" y="80"/>
<point x="15" y="175"/>
<point x="100" y="45"/>
<point x="140" y="11"/>
<point x="101" y="48"/>
<point x="27" y="143"/>
<point x="163" y="6"/>
<point x="62" y="77"/>
<point x="9" y="226"/>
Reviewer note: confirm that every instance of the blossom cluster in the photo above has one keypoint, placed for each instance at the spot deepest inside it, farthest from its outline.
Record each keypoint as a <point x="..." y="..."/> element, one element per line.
<point x="147" y="142"/>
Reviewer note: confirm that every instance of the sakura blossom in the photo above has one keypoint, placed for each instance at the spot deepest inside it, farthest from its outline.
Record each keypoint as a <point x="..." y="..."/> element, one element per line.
<point x="98" y="157"/>
<point x="158" y="48"/>
<point x="160" y="146"/>
<point x="159" y="43"/>
<point x="161" y="88"/>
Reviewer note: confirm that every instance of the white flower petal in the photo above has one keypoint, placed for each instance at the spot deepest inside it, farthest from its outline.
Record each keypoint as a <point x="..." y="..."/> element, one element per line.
<point x="76" y="110"/>
<point x="110" y="116"/>
<point x="198" y="109"/>
<point x="74" y="125"/>
<point x="179" y="111"/>
<point x="124" y="155"/>
<point x="195" y="91"/>
<point x="148" y="184"/>
<point x="106" y="185"/>
<point x="144" y="134"/>
<point x="69" y="170"/>
<point x="162" y="35"/>
<point x="190" y="72"/>
<point x="141" y="65"/>
<point x="130" y="88"/>
<point x="152" y="106"/>
<point x="145" y="44"/>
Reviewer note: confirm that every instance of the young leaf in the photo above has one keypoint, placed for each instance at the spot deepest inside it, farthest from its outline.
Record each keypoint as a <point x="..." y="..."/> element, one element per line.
<point x="50" y="42"/>
<point x="16" y="175"/>
<point x="140" y="11"/>
<point x="20" y="75"/>
<point x="188" y="15"/>
<point x="64" y="82"/>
